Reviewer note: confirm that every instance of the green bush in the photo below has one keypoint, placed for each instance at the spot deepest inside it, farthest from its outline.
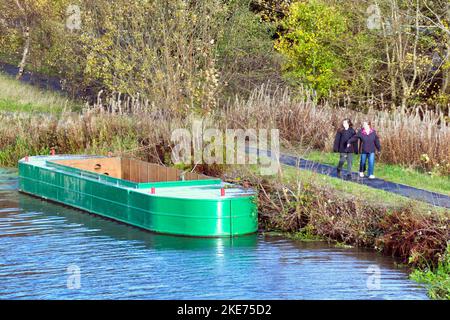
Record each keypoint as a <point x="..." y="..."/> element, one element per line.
<point x="438" y="279"/>
<point x="310" y="45"/>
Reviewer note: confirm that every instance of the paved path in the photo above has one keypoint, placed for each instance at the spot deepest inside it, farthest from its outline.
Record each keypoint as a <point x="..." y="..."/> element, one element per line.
<point x="433" y="198"/>
<point x="33" y="78"/>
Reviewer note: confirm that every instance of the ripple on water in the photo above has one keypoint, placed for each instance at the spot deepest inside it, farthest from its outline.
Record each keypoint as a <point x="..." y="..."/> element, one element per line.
<point x="40" y="240"/>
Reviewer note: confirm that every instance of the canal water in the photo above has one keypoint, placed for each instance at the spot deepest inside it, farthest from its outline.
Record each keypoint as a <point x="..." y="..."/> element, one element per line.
<point x="48" y="251"/>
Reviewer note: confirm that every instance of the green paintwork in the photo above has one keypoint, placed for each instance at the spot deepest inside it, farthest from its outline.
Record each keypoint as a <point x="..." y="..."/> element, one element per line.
<point x="191" y="208"/>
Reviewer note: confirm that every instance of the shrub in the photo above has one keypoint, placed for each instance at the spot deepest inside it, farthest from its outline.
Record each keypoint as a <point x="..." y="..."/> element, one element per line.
<point x="310" y="44"/>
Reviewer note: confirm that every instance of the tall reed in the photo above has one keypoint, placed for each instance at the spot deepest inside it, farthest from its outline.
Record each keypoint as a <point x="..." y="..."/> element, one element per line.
<point x="417" y="138"/>
<point x="91" y="132"/>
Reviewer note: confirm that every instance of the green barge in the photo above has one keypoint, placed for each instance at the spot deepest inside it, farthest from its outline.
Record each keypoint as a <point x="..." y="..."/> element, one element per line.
<point x="145" y="195"/>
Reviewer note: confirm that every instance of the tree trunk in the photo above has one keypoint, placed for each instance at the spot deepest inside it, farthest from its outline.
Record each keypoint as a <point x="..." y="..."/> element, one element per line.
<point x="26" y="36"/>
<point x="446" y="77"/>
<point x="26" y="50"/>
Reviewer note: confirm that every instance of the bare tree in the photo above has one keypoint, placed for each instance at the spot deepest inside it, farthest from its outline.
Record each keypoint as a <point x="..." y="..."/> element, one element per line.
<point x="27" y="37"/>
<point x="404" y="25"/>
<point x="441" y="22"/>
<point x="26" y="16"/>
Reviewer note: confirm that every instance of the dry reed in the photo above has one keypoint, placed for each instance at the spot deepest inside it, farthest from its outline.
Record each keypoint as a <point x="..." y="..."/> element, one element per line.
<point x="91" y="132"/>
<point x="416" y="138"/>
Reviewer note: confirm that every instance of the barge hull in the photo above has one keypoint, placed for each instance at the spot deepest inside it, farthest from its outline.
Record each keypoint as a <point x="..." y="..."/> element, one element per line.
<point x="163" y="214"/>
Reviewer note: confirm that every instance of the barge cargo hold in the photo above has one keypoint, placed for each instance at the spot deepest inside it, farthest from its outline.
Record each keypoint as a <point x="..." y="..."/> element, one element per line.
<point x="142" y="194"/>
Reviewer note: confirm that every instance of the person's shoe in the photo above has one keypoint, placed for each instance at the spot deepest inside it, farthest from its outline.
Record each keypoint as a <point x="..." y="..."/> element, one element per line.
<point x="349" y="176"/>
<point x="361" y="174"/>
<point x="371" y="177"/>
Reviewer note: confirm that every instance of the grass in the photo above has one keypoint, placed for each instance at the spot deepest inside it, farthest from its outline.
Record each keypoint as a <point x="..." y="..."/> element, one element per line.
<point x="32" y="134"/>
<point x="348" y="188"/>
<point x="304" y="235"/>
<point x="436" y="279"/>
<point x="19" y="97"/>
<point x="389" y="172"/>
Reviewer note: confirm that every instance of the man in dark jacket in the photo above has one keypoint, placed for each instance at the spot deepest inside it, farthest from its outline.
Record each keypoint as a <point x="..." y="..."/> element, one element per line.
<point x="344" y="134"/>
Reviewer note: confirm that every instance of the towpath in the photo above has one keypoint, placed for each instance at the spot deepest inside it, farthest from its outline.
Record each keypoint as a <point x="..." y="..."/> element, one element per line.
<point x="33" y="78"/>
<point x="436" y="199"/>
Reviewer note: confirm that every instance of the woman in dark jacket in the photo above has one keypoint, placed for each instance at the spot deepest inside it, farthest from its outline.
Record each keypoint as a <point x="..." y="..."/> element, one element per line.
<point x="369" y="144"/>
<point x="344" y="134"/>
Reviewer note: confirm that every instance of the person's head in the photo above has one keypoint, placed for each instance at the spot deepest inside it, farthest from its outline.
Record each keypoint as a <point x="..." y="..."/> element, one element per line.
<point x="367" y="125"/>
<point x="347" y="123"/>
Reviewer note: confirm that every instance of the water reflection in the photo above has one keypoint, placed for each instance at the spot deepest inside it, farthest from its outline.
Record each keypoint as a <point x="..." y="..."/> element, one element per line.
<point x="123" y="232"/>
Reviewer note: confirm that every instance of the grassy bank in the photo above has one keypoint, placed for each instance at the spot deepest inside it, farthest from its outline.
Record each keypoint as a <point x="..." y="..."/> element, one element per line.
<point x="87" y="133"/>
<point x="358" y="191"/>
<point x="436" y="279"/>
<point x="431" y="181"/>
<point x="19" y="97"/>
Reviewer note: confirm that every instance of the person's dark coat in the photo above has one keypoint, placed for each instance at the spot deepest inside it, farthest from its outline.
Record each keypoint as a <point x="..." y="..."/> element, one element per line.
<point x="341" y="141"/>
<point x="368" y="142"/>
